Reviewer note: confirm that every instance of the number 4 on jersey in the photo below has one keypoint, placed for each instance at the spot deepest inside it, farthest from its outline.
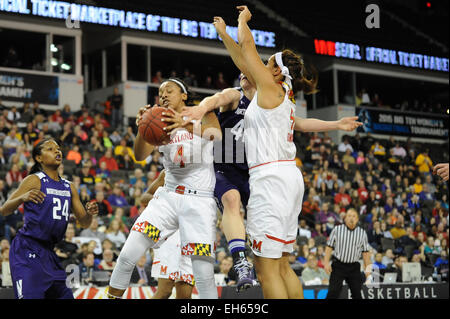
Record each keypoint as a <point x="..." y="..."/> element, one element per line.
<point x="179" y="156"/>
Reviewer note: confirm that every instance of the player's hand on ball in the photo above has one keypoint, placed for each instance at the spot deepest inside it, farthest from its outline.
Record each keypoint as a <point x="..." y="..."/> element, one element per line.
<point x="141" y="112"/>
<point x="220" y="25"/>
<point x="173" y="119"/>
<point x="34" y="195"/>
<point x="244" y="13"/>
<point x="92" y="208"/>
<point x="348" y="123"/>
<point x="193" y="113"/>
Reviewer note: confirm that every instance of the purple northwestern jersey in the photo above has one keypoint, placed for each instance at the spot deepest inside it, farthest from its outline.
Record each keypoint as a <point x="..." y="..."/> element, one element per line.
<point x="48" y="221"/>
<point x="232" y="144"/>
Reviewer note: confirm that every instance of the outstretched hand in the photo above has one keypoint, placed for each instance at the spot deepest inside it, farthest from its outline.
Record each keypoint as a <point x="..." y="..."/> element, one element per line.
<point x="244" y="14"/>
<point x="348" y="123"/>
<point x="173" y="117"/>
<point x="220" y="25"/>
<point x="193" y="113"/>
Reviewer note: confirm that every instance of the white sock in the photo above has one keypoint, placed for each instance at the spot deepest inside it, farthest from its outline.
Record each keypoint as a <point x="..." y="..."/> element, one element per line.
<point x="203" y="269"/>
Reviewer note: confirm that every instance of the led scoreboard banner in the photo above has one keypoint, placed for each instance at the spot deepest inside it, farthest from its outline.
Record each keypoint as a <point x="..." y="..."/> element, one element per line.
<point x="72" y="13"/>
<point x="379" y="55"/>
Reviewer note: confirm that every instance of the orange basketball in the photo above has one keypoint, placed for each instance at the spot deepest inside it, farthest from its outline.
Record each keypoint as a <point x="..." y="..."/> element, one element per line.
<point x="151" y="127"/>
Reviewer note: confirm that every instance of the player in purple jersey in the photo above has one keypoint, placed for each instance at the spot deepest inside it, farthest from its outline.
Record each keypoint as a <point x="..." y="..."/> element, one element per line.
<point x="48" y="201"/>
<point x="232" y="185"/>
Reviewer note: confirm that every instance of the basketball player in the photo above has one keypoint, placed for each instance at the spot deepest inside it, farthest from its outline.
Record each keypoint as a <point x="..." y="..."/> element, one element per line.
<point x="48" y="201"/>
<point x="276" y="184"/>
<point x="232" y="178"/>
<point x="186" y="202"/>
<point x="169" y="266"/>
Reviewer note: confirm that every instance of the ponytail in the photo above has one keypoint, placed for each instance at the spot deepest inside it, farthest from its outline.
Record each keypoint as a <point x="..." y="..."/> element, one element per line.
<point x="35" y="168"/>
<point x="303" y="79"/>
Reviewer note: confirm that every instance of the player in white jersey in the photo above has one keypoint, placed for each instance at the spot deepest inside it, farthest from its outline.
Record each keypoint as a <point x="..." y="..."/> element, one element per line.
<point x="185" y="202"/>
<point x="276" y="184"/>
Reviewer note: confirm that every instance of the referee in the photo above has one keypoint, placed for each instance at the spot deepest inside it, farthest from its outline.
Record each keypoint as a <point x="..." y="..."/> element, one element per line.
<point x="347" y="242"/>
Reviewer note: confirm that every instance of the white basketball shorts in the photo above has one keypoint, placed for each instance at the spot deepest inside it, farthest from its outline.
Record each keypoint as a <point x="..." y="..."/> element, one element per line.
<point x="276" y="195"/>
<point x="194" y="216"/>
<point x="169" y="263"/>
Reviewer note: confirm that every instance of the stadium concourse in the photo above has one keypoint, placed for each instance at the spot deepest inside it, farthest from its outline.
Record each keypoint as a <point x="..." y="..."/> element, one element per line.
<point x="384" y="170"/>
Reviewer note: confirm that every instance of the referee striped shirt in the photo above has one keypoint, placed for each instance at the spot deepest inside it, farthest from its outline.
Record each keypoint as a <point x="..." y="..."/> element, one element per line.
<point x="348" y="245"/>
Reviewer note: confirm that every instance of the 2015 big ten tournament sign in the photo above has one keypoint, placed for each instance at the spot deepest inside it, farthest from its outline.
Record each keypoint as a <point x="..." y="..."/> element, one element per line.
<point x="75" y="13"/>
<point x="23" y="87"/>
<point x="400" y="123"/>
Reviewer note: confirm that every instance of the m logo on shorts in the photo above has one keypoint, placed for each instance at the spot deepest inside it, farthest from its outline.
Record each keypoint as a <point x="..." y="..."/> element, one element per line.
<point x="257" y="245"/>
<point x="196" y="249"/>
<point x="146" y="228"/>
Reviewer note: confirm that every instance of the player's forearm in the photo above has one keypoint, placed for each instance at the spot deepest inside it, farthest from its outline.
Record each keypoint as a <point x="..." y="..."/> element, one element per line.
<point x="314" y="125"/>
<point x="85" y="220"/>
<point x="211" y="103"/>
<point x="141" y="148"/>
<point x="235" y="52"/>
<point x="207" y="129"/>
<point x="245" y="38"/>
<point x="10" y="206"/>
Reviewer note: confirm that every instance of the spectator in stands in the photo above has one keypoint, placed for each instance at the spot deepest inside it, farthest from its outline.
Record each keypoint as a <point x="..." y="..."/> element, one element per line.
<point x="379" y="261"/>
<point x="67" y="248"/>
<point x="107" y="262"/>
<point x="344" y="146"/>
<point x="93" y="231"/>
<point x="14" y="175"/>
<point x="348" y="158"/>
<point x="424" y="163"/>
<point x="104" y="207"/>
<point x="86" y="177"/>
<point x="157" y="78"/>
<point x="116" y="101"/>
<point x="13" y="115"/>
<point x="388" y="257"/>
<point x="111" y="163"/>
<point x="226" y="268"/>
<point x="117" y="199"/>
<point x="312" y="274"/>
<point x="87" y="267"/>
<point x="11" y="142"/>
<point x="220" y="82"/>
<point x="325" y="213"/>
<point x="399" y="151"/>
<point x="398" y="231"/>
<point x="115" y="234"/>
<point x="342" y="199"/>
<point x="141" y="274"/>
<point x="303" y="229"/>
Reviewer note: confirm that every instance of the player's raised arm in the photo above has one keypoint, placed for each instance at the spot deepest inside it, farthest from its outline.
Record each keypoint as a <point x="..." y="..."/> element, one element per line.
<point x="142" y="149"/>
<point x="226" y="98"/>
<point x="84" y="216"/>
<point x="28" y="191"/>
<point x="315" y="125"/>
<point x="232" y="47"/>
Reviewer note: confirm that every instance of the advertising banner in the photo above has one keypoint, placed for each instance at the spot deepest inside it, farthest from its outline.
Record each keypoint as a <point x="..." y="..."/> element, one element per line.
<point x="24" y="87"/>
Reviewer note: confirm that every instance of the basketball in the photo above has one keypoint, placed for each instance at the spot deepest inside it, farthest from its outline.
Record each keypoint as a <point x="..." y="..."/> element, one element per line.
<point x="151" y="128"/>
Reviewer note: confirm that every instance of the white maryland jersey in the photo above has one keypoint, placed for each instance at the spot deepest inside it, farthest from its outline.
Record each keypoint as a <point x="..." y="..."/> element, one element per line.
<point x="188" y="161"/>
<point x="269" y="133"/>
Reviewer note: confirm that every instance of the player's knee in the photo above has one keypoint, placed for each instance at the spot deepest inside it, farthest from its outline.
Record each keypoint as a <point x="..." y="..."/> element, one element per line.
<point x="232" y="200"/>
